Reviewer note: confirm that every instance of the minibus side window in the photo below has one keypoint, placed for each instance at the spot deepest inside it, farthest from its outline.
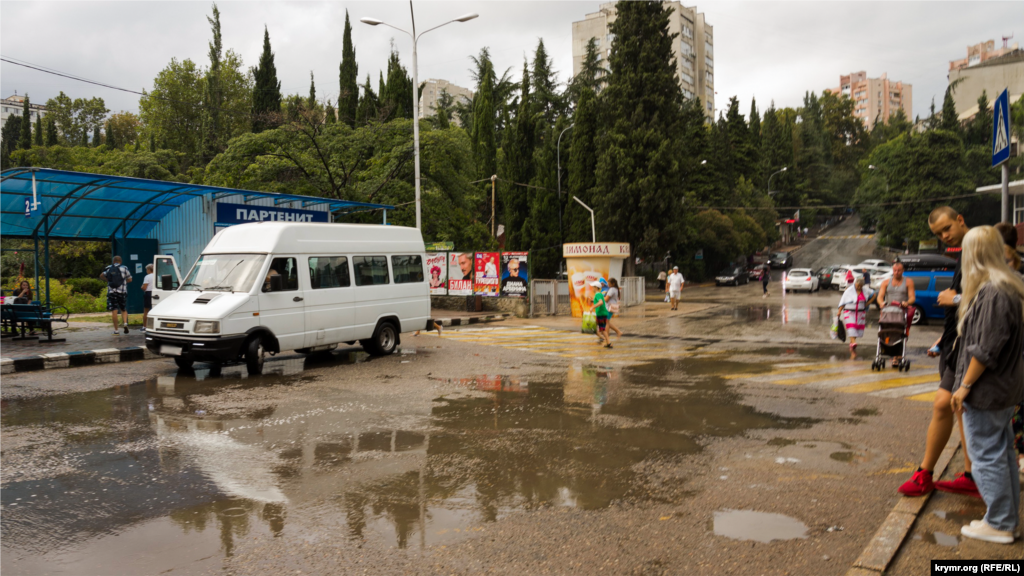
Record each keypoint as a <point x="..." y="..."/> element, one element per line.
<point x="407" y="269"/>
<point x="286" y="267"/>
<point x="370" y="270"/>
<point x="329" y="272"/>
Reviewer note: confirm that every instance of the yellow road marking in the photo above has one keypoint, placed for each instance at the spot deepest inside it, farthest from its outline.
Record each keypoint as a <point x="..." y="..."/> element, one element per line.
<point x="926" y="397"/>
<point x="818" y="377"/>
<point x="775" y="372"/>
<point x="889" y="383"/>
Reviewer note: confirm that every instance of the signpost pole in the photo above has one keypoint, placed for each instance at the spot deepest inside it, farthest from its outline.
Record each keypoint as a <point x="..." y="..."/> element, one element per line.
<point x="1005" y="212"/>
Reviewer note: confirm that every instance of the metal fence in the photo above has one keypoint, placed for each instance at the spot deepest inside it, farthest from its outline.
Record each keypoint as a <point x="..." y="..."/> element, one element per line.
<point x="551" y="297"/>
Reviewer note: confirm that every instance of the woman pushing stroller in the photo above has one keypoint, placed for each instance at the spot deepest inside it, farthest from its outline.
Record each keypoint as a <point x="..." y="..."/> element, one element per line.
<point x="898" y="291"/>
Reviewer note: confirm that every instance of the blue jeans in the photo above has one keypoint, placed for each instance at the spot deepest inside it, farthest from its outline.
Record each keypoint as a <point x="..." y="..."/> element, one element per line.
<point x="989" y="436"/>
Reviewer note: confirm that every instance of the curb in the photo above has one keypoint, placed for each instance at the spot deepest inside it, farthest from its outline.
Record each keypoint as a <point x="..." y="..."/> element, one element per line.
<point x="890" y="535"/>
<point x="133" y="353"/>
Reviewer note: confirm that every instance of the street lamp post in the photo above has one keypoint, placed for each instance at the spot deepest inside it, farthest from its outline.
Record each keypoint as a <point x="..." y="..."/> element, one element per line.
<point x="416" y="89"/>
<point x="593" y="228"/>
<point x="886" y="178"/>
<point x="770" y="193"/>
<point x="558" y="151"/>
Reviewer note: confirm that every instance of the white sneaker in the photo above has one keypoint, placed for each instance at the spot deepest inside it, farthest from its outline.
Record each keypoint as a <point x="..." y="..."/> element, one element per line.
<point x="980" y="530"/>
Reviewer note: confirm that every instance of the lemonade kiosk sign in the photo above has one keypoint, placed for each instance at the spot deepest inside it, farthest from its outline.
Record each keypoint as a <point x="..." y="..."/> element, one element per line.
<point x="587" y="262"/>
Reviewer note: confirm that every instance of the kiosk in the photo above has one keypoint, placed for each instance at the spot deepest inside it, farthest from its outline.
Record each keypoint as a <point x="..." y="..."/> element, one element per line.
<point x="589" y="261"/>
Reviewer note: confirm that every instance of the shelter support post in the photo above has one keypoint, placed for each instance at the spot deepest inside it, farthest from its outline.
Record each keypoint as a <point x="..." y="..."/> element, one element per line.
<point x="46" y="258"/>
<point x="35" y="262"/>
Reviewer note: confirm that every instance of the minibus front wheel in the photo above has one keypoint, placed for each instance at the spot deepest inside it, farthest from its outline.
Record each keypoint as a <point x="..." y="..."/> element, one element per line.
<point x="255" y="354"/>
<point x="184" y="362"/>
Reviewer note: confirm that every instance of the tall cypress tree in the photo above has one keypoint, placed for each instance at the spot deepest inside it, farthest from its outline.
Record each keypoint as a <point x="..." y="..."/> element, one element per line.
<point x="348" y="96"/>
<point x="266" y="96"/>
<point x="25" y="138"/>
<point x="109" y="137"/>
<point x="213" y="99"/>
<point x="368" y="105"/>
<point x="483" y="139"/>
<point x="949" y="120"/>
<point x="980" y="131"/>
<point x="590" y="74"/>
<point x="396" y="95"/>
<point x="582" y="166"/>
<point x="330" y="115"/>
<point x="545" y="86"/>
<point x="638" y="176"/>
<point x="518" y="168"/>
<point x="51" y="132"/>
<point x="38" y="134"/>
<point x="95" y="136"/>
<point x="754" y="123"/>
<point x="311" y="101"/>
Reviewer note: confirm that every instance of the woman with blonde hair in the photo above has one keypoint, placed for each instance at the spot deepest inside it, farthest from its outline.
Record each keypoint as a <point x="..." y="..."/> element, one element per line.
<point x="989" y="379"/>
<point x="853" y="312"/>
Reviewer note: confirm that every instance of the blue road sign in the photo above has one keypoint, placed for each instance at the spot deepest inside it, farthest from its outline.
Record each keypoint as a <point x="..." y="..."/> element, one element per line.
<point x="1001" y="129"/>
<point x="28" y="207"/>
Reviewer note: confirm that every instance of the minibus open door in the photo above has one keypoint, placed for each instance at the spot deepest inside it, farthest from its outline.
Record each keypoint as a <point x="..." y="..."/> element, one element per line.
<point x="165" y="272"/>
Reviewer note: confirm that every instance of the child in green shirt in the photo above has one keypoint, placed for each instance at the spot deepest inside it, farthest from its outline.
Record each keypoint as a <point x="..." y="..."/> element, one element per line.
<point x="600" y="309"/>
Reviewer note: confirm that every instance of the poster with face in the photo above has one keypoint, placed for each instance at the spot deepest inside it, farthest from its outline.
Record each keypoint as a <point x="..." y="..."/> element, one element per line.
<point x="583" y="271"/>
<point x="485" y="279"/>
<point x="460" y="273"/>
<point x="437" y="266"/>
<point x="513" y="274"/>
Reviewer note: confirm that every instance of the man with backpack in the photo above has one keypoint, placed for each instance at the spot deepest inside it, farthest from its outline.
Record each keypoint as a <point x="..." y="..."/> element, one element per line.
<point x="117" y="278"/>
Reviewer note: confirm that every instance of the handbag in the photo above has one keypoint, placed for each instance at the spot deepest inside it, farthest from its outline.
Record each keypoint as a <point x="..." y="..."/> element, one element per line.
<point x="838" y="329"/>
<point x="613" y="308"/>
<point x="589" y="325"/>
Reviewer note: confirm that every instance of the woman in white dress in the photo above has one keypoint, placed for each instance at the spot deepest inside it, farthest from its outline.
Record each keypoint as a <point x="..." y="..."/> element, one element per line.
<point x="853" y="312"/>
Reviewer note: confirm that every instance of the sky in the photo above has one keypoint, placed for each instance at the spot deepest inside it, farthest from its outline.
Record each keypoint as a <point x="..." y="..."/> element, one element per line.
<point x="774" y="51"/>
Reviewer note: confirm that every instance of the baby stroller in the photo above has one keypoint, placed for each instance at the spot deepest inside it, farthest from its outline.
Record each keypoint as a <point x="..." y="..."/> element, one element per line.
<point x="893" y="333"/>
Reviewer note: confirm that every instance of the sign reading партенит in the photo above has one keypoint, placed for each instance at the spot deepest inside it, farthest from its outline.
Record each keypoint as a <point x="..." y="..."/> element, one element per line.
<point x="228" y="214"/>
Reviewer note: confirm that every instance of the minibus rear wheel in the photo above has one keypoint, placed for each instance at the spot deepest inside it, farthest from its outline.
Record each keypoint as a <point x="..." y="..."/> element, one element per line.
<point x="255" y="354"/>
<point x="384" y="341"/>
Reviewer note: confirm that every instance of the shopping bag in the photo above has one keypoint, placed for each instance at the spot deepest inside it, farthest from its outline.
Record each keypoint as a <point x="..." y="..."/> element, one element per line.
<point x="666" y="298"/>
<point x="589" y="323"/>
<point x="838" y="329"/>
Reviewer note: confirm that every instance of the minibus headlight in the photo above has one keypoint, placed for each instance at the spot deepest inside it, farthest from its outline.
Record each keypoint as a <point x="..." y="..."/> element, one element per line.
<point x="150" y="323"/>
<point x="204" y="327"/>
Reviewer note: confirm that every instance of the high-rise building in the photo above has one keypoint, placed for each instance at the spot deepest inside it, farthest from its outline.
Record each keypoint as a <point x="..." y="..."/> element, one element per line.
<point x="432" y="90"/>
<point x="991" y="75"/>
<point x="981" y="52"/>
<point x="694" y="48"/>
<point x="875" y="98"/>
<point x="12" y="106"/>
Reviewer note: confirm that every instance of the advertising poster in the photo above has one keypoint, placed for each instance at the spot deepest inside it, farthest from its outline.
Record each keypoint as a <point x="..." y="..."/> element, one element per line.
<point x="437" y="267"/>
<point x="513" y="274"/>
<point x="486" y="279"/>
<point x="583" y="271"/>
<point x="460" y="273"/>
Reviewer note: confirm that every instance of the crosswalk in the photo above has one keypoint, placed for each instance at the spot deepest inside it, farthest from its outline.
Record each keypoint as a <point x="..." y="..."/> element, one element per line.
<point x="849" y="237"/>
<point x="919" y="384"/>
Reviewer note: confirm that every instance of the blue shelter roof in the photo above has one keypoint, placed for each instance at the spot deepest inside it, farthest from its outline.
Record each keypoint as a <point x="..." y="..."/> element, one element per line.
<point x="77" y="205"/>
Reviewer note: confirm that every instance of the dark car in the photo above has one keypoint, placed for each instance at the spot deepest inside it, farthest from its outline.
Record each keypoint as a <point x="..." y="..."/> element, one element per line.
<point x="935" y="262"/>
<point x="734" y="275"/>
<point x="825" y="277"/>
<point x="781" y="260"/>
<point x="867" y="229"/>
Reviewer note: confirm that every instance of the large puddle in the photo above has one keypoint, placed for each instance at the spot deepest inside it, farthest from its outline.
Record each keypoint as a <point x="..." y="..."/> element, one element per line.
<point x="173" y="472"/>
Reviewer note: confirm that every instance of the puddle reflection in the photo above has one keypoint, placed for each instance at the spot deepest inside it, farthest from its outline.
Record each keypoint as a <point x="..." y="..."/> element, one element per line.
<point x="225" y="457"/>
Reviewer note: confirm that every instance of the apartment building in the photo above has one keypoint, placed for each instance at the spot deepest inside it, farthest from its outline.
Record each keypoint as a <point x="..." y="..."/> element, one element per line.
<point x="875" y="98"/>
<point x="13" y="106"/>
<point x="694" y="48"/>
<point x="981" y="52"/>
<point x="432" y="90"/>
<point x="992" y="75"/>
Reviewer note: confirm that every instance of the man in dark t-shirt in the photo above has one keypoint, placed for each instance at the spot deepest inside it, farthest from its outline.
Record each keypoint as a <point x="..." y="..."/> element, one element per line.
<point x="948" y="226"/>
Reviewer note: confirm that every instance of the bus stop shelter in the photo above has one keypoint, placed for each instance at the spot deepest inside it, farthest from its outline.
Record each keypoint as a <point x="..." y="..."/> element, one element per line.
<point x="142" y="218"/>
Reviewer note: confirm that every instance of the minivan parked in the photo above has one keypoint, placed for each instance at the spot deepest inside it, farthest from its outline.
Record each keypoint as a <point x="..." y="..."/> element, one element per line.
<point x="266" y="287"/>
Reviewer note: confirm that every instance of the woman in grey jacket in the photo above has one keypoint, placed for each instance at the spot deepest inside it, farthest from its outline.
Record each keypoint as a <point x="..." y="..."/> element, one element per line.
<point x="990" y="379"/>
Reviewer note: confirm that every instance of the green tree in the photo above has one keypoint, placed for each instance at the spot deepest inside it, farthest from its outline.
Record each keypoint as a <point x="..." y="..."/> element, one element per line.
<point x="173" y="111"/>
<point x="754" y="122"/>
<point x="638" y="176"/>
<point x="582" y="165"/>
<point x="980" y="131"/>
<point x="9" y="136"/>
<point x="396" y="95"/>
<point x="51" y="132"/>
<point x="518" y="168"/>
<point x="109" y="136"/>
<point x="949" y="120"/>
<point x="266" y="97"/>
<point x="348" y="96"/>
<point x="25" y="138"/>
<point x="330" y="115"/>
<point x="311" y="101"/>
<point x="96" y="136"/>
<point x="38" y="133"/>
<point x="483" y="138"/>
<point x="369" y="106"/>
<point x="549" y="103"/>
<point x="443" y="110"/>
<point x="125" y="127"/>
<point x="590" y="75"/>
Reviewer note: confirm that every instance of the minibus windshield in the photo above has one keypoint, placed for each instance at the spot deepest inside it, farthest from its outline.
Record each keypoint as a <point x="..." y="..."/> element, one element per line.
<point x="224" y="272"/>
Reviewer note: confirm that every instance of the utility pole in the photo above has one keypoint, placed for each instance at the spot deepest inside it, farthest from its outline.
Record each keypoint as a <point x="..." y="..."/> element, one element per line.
<point x="494" y="222"/>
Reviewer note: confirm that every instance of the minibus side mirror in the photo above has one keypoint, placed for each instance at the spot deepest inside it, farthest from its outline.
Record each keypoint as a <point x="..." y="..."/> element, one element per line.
<point x="276" y="283"/>
<point x="166" y="282"/>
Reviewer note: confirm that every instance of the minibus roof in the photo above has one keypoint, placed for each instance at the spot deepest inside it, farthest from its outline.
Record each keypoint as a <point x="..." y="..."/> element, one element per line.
<point x="315" y="238"/>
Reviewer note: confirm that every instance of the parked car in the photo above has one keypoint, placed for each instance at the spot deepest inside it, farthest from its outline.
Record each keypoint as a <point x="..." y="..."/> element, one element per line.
<point x="263" y="288"/>
<point x="876" y="280"/>
<point x="734" y="275"/>
<point x="927" y="285"/>
<point x="858" y="271"/>
<point x="801" y="279"/>
<point x="839" y="277"/>
<point x="825" y="276"/>
<point x="867" y="229"/>
<point x="875" y="264"/>
<point x="780" y="260"/>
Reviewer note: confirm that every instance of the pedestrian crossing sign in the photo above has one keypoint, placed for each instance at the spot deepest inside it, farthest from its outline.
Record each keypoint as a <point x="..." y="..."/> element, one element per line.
<point x="1001" y="129"/>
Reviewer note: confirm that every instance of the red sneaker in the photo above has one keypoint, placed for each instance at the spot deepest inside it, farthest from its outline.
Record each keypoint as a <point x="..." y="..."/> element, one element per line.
<point x="919" y="484"/>
<point x="959" y="485"/>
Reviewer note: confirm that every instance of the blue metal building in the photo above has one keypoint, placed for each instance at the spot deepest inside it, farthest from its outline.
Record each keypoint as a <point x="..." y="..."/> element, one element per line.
<point x="142" y="218"/>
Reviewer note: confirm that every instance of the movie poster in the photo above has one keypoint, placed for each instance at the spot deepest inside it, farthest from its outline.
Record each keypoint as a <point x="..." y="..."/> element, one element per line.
<point x="513" y="274"/>
<point x="460" y="273"/>
<point x="437" y="266"/>
<point x="486" y="279"/>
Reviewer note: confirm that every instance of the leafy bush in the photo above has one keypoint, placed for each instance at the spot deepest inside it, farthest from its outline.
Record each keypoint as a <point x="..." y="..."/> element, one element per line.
<point x="61" y="295"/>
<point x="92" y="286"/>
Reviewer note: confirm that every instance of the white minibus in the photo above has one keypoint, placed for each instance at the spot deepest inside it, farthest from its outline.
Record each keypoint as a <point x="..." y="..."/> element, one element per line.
<point x="267" y="287"/>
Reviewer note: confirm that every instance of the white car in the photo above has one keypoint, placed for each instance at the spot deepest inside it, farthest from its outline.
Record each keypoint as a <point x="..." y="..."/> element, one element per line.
<point x="876" y="281"/>
<point x="874" y="263"/>
<point x="801" y="279"/>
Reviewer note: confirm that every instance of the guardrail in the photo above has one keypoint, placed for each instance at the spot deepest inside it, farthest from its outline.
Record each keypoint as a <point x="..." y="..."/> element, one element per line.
<point x="551" y="297"/>
<point x="634" y="292"/>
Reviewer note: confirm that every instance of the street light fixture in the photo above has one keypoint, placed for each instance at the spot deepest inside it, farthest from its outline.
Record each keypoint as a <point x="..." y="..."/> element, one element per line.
<point x="416" y="87"/>
<point x="770" y="193"/>
<point x="593" y="228"/>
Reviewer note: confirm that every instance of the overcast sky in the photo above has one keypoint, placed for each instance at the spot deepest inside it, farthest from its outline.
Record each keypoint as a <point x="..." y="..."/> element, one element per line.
<point x="769" y="50"/>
